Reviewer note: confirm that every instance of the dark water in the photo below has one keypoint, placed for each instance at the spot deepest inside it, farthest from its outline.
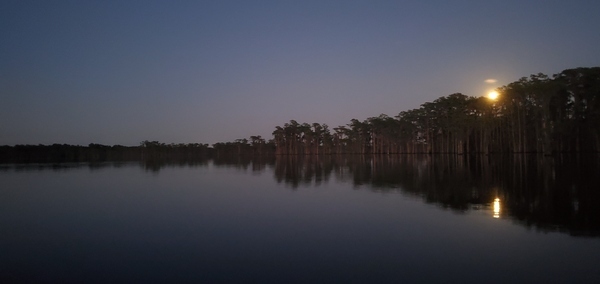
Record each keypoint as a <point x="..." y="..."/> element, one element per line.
<point x="400" y="219"/>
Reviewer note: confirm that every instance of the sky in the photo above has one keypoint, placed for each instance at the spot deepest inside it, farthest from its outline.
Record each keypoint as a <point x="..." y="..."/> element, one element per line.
<point x="121" y="72"/>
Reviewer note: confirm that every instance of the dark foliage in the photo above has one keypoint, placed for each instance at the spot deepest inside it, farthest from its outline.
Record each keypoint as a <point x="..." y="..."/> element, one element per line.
<point x="538" y="114"/>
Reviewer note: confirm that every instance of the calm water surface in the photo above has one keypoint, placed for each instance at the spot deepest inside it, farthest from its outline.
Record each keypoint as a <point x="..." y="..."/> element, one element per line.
<point x="318" y="220"/>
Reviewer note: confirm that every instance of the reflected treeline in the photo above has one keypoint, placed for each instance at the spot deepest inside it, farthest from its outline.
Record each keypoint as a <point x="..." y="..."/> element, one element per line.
<point x="256" y="164"/>
<point x="297" y="170"/>
<point x="546" y="193"/>
<point x="63" y="167"/>
<point x="155" y="165"/>
<point x="559" y="193"/>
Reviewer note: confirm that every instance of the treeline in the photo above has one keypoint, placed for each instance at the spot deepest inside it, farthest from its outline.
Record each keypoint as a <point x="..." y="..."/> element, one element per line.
<point x="149" y="151"/>
<point x="67" y="153"/>
<point x="536" y="114"/>
<point x="59" y="153"/>
<point x="255" y="146"/>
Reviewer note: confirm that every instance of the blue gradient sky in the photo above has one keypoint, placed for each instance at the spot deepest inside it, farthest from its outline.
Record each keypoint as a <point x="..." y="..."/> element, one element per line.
<point x="119" y="72"/>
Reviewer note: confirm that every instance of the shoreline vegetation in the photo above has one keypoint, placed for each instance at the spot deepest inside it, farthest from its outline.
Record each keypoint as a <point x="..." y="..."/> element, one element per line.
<point x="536" y="114"/>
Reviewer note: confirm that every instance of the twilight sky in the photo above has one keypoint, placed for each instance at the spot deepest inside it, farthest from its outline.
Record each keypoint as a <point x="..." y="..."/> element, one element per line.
<point x="120" y="72"/>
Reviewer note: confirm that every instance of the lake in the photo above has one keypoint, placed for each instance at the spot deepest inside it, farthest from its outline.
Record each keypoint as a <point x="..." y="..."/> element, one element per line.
<point x="330" y="219"/>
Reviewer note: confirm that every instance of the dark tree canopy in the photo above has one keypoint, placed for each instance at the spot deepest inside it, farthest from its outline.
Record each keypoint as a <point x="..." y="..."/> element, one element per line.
<point x="536" y="114"/>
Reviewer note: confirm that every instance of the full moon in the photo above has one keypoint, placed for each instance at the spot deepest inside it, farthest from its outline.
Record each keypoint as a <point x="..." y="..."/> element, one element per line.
<point x="493" y="95"/>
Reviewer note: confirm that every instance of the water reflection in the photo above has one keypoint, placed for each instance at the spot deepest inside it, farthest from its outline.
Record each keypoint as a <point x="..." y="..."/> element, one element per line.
<point x="253" y="163"/>
<point x="154" y="166"/>
<point x="545" y="193"/>
<point x="62" y="167"/>
<point x="497" y="208"/>
<point x="548" y="194"/>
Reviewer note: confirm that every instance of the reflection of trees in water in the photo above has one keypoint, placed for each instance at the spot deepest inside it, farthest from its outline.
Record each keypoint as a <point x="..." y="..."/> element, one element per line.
<point x="297" y="170"/>
<point x="257" y="164"/>
<point x="556" y="195"/>
<point x="155" y="165"/>
<point x="443" y="180"/>
<point x="545" y="193"/>
<point x="63" y="167"/>
<point x="549" y="194"/>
